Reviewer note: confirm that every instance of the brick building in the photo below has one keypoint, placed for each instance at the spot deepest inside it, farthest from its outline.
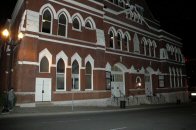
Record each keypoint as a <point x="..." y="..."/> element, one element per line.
<point x="94" y="51"/>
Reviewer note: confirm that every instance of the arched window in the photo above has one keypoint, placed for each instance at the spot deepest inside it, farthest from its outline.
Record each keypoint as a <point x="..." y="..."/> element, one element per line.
<point x="60" y="78"/>
<point x="126" y="42"/>
<point x="89" y="25"/>
<point x="75" y="75"/>
<point x="46" y="21"/>
<point x="121" y="4"/>
<point x="44" y="65"/>
<point x="119" y="41"/>
<point x="76" y="24"/>
<point x="62" y="25"/>
<point x="111" y="39"/>
<point x="88" y="74"/>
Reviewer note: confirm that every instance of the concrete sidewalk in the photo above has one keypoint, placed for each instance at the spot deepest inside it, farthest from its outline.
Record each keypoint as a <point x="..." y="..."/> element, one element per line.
<point x="60" y="110"/>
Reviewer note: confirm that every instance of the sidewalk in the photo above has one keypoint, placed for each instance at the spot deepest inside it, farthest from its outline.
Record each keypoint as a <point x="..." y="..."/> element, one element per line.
<point x="61" y="110"/>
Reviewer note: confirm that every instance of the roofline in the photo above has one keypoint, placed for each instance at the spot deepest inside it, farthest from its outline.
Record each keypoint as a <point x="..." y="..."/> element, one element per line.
<point x="16" y="10"/>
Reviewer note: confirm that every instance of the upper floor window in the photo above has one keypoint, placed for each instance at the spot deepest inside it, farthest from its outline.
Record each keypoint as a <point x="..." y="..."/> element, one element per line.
<point x="111" y="39"/>
<point x="76" y="24"/>
<point x="62" y="25"/>
<point x="126" y="42"/>
<point x="44" y="65"/>
<point x="119" y="41"/>
<point x="46" y="21"/>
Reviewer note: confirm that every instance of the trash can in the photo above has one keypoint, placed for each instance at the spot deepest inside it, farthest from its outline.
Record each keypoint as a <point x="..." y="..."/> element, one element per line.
<point x="122" y="104"/>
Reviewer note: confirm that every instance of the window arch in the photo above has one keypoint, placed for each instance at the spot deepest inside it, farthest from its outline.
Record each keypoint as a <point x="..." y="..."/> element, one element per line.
<point x="60" y="76"/>
<point x="62" y="25"/>
<point x="44" y="65"/>
<point x="47" y="21"/>
<point x="88" y="24"/>
<point x="75" y="75"/>
<point x="76" y="24"/>
<point x="45" y="53"/>
<point x="88" y="75"/>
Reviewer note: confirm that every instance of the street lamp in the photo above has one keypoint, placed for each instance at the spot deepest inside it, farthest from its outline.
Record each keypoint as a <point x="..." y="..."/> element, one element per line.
<point x="11" y="44"/>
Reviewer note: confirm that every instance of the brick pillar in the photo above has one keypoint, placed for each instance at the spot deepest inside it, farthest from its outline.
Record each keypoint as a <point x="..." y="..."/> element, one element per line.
<point x="68" y="79"/>
<point x="82" y="79"/>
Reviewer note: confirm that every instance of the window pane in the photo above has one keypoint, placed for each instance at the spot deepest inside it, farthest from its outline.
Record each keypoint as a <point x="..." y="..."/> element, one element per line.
<point x="60" y="81"/>
<point x="108" y="80"/>
<point x="88" y="81"/>
<point x="76" y="24"/>
<point x="75" y="83"/>
<point x="46" y="22"/>
<point x="118" y="41"/>
<point x="60" y="66"/>
<point x="44" y="65"/>
<point x="61" y="30"/>
<point x="47" y="15"/>
<point x="62" y="19"/>
<point x="46" y="26"/>
<point x="88" y="24"/>
<point x="88" y="68"/>
<point x="75" y="67"/>
<point x="111" y="39"/>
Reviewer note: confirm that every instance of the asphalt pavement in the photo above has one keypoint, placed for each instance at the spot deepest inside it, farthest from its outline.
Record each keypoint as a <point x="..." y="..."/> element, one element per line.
<point x="59" y="110"/>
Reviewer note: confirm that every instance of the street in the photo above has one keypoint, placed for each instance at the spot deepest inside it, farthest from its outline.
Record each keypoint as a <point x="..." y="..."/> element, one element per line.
<point x="171" y="118"/>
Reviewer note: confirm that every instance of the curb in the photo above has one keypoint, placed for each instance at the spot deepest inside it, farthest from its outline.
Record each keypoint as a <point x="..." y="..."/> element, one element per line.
<point x="15" y="115"/>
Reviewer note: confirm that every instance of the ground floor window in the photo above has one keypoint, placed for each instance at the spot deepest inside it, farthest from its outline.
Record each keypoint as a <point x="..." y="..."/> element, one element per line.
<point x="161" y="81"/>
<point x="108" y="80"/>
<point x="75" y="75"/>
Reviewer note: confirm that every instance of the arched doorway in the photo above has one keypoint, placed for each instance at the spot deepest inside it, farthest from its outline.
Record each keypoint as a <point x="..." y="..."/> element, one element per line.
<point x="117" y="81"/>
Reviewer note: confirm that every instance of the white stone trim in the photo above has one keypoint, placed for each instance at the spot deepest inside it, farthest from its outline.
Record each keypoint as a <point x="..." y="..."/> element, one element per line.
<point x="143" y="19"/>
<point x="101" y="69"/>
<point x="51" y="8"/>
<point x="66" y="13"/>
<point x="92" y="22"/>
<point x="25" y="93"/>
<point x="139" y="30"/>
<point x="93" y="1"/>
<point x="80" y="19"/>
<point x="45" y="53"/>
<point x="80" y="10"/>
<point x="28" y="63"/>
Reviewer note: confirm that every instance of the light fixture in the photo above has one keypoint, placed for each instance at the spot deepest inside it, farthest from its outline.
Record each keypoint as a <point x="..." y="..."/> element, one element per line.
<point x="5" y="33"/>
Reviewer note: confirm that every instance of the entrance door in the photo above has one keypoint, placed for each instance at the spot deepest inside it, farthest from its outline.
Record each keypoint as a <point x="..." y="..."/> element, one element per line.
<point x="117" y="82"/>
<point x="148" y="85"/>
<point x="43" y="89"/>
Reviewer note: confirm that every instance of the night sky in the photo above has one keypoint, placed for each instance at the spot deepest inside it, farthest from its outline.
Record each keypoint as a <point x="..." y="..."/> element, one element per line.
<point x="175" y="16"/>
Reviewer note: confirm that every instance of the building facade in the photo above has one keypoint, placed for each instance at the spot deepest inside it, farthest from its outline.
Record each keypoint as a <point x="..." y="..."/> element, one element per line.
<point x="94" y="52"/>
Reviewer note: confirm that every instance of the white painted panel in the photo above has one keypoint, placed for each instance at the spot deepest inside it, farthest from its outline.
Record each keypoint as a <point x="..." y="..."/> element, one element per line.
<point x="32" y="23"/>
<point x="100" y="37"/>
<point x="43" y="89"/>
<point x="38" y="89"/>
<point x="47" y="90"/>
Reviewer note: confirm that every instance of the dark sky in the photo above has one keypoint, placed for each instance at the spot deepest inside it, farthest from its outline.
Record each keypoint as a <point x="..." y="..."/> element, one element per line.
<point x="175" y="16"/>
